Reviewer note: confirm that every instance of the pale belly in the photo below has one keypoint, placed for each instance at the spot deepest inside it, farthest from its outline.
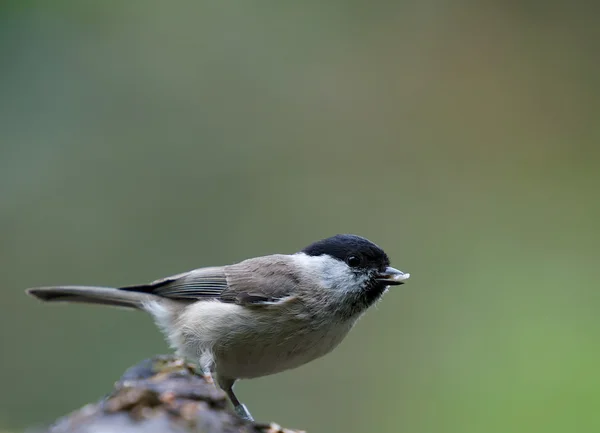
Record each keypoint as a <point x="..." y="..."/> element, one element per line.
<point x="261" y="355"/>
<point x="228" y="339"/>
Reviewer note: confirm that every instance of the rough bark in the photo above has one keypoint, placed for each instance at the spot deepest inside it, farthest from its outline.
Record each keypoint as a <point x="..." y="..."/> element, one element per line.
<point x="160" y="395"/>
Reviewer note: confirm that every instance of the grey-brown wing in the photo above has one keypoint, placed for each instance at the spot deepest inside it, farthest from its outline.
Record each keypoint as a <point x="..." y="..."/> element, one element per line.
<point x="203" y="283"/>
<point x="262" y="280"/>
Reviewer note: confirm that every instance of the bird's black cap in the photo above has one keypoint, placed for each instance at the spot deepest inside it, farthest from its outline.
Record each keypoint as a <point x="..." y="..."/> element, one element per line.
<point x="344" y="247"/>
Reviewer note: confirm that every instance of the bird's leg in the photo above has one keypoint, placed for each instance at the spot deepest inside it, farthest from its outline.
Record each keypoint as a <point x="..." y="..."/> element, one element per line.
<point x="241" y="409"/>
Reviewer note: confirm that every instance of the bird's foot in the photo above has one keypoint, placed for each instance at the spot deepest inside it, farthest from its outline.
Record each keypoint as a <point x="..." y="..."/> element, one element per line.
<point x="243" y="412"/>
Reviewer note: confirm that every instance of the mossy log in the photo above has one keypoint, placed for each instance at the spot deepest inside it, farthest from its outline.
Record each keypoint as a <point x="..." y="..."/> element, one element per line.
<point x="162" y="394"/>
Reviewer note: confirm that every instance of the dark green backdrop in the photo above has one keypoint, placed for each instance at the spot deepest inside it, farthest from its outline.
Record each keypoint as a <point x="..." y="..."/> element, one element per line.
<point x="143" y="138"/>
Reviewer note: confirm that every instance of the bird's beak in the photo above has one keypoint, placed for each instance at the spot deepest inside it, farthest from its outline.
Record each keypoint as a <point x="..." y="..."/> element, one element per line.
<point x="392" y="277"/>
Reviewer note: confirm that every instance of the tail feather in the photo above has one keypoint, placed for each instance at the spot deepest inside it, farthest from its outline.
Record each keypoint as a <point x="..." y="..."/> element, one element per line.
<point x="91" y="295"/>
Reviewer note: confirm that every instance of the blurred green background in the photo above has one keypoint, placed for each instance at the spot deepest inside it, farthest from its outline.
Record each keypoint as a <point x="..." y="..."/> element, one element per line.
<point x="140" y="139"/>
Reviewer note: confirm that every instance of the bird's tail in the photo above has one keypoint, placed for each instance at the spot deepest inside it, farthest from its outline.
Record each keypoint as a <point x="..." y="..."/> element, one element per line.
<point x="92" y="295"/>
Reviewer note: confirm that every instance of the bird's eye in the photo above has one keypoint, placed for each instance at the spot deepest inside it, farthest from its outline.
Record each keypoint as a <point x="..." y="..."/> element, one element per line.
<point x="353" y="261"/>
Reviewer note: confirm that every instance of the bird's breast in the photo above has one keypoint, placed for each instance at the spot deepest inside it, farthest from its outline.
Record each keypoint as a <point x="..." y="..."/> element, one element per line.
<point x="246" y="343"/>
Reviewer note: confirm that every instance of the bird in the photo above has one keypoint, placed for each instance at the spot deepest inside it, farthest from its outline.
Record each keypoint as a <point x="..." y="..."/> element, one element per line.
<point x="260" y="316"/>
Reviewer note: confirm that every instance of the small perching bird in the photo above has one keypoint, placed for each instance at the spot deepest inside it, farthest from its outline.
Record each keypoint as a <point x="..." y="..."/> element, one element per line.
<point x="260" y="316"/>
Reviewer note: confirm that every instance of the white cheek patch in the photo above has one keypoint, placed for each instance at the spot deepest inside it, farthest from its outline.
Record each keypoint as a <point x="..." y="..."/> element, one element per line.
<point x="332" y="273"/>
